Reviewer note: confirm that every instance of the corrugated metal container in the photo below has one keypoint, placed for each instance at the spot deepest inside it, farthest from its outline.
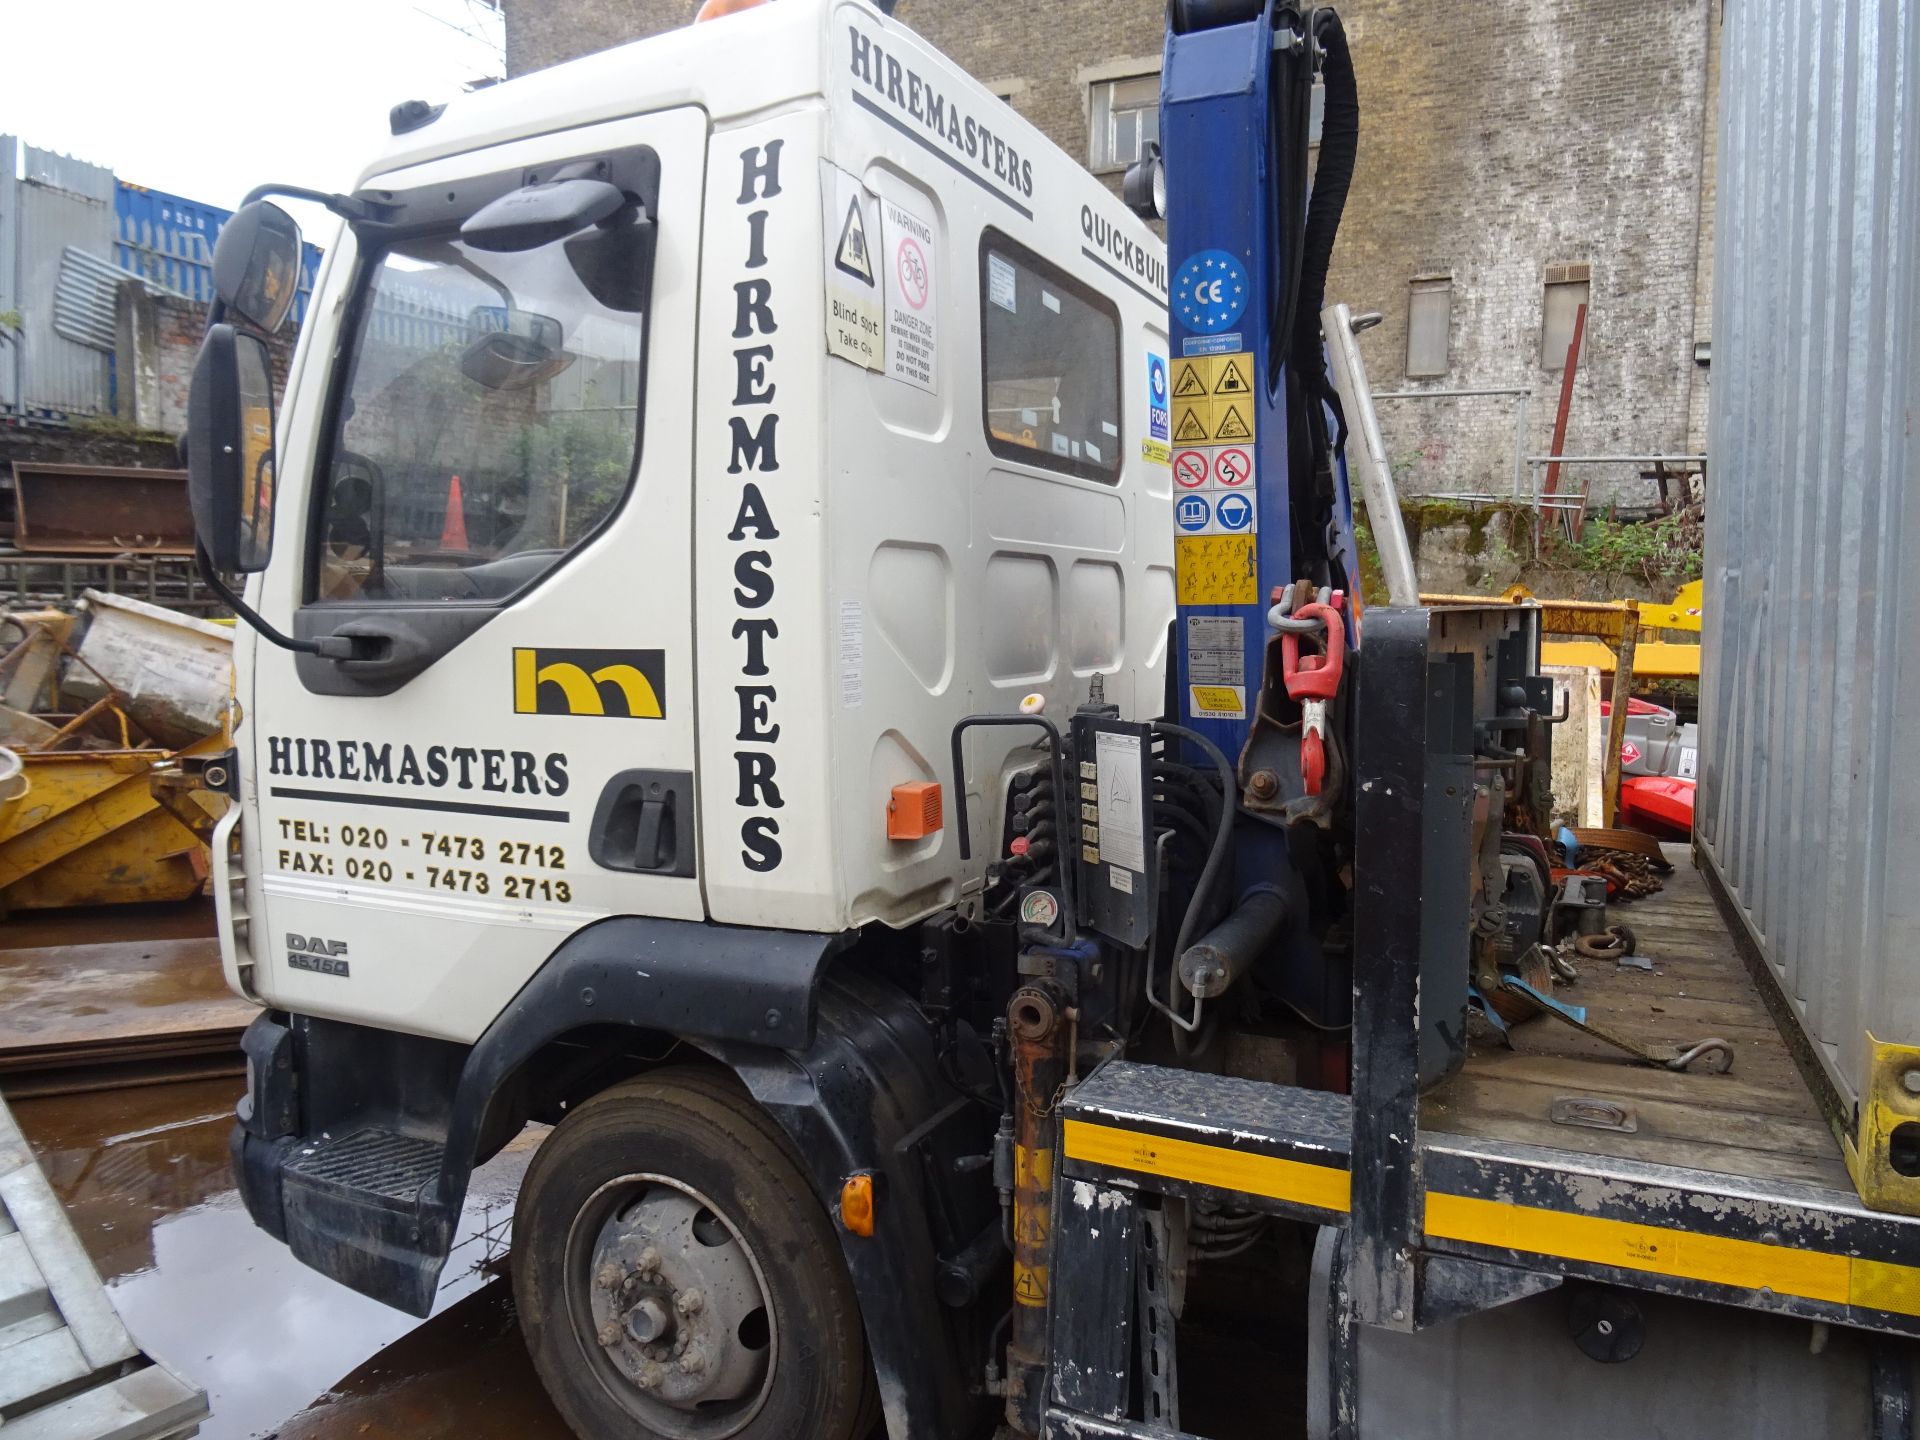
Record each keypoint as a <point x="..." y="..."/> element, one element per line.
<point x="1810" y="696"/>
<point x="169" y="241"/>
<point x="49" y="203"/>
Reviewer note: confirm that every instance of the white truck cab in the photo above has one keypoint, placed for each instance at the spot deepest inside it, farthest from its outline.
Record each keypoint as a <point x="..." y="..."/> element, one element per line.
<point x="682" y="442"/>
<point x="675" y="548"/>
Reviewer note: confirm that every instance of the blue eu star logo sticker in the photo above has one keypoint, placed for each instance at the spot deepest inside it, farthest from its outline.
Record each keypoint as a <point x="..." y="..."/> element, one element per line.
<point x="1210" y="291"/>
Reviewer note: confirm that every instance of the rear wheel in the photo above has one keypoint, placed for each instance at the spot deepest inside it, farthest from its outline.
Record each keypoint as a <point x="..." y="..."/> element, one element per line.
<point x="676" y="1278"/>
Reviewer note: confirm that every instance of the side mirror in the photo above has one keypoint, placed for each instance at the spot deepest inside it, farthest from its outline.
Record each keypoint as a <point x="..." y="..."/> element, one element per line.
<point x="230" y="449"/>
<point x="256" y="265"/>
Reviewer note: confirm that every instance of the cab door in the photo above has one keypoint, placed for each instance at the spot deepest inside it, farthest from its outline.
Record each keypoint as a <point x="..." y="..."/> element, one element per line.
<point x="492" y="428"/>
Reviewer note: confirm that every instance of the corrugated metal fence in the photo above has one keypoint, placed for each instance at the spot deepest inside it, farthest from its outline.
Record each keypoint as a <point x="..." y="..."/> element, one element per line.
<point x="49" y="203"/>
<point x="168" y="242"/>
<point x="1810" y="700"/>
<point x="69" y="232"/>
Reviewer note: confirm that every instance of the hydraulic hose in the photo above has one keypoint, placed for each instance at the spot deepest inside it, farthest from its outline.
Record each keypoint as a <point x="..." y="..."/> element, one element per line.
<point x="1339" y="150"/>
<point x="1209" y="873"/>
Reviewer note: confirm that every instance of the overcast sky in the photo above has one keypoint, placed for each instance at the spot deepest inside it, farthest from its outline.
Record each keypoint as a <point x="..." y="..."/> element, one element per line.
<point x="209" y="98"/>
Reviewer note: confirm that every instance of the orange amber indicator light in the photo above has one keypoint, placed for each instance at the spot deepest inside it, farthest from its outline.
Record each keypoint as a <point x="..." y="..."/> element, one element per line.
<point x="913" y="810"/>
<point x="856" y="1204"/>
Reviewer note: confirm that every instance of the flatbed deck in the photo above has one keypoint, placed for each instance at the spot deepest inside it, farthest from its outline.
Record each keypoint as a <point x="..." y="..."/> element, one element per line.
<point x="1724" y="1187"/>
<point x="1759" y="1120"/>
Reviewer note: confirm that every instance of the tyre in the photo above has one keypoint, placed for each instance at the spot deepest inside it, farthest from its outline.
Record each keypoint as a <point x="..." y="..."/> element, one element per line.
<point x="677" y="1279"/>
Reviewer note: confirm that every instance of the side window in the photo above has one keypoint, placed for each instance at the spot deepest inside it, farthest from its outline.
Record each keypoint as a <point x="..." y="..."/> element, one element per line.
<point x="489" y="423"/>
<point x="1050" y="359"/>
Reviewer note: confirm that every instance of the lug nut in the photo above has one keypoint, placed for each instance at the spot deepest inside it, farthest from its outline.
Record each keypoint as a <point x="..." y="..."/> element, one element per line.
<point x="694" y="1361"/>
<point x="649" y="1260"/>
<point x="689" y="1301"/>
<point x="651" y="1375"/>
<point x="609" y="1335"/>
<point x="608" y="1277"/>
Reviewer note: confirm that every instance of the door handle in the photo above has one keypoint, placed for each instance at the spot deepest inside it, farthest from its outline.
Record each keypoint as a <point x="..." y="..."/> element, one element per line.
<point x="643" y="823"/>
<point x="383" y="648"/>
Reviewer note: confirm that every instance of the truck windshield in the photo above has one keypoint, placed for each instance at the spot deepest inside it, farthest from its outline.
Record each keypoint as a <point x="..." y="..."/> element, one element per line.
<point x="488" y="425"/>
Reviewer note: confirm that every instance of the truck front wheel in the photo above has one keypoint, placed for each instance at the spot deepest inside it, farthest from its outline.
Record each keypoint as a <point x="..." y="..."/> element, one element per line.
<point x="676" y="1278"/>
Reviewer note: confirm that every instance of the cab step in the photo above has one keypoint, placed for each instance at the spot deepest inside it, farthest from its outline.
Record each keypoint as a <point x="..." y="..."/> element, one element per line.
<point x="362" y="1208"/>
<point x="378" y="1164"/>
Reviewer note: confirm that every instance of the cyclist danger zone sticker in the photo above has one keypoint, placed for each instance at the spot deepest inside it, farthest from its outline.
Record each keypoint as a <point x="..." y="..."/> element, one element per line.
<point x="910" y="258"/>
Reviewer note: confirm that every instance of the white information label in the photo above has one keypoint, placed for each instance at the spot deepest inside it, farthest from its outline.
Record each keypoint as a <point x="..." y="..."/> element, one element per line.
<point x="1689" y="763"/>
<point x="852" y="654"/>
<point x="1120" y="879"/>
<point x="910" y="258"/>
<point x="856" y="316"/>
<point x="1122" y="811"/>
<point x="1000" y="283"/>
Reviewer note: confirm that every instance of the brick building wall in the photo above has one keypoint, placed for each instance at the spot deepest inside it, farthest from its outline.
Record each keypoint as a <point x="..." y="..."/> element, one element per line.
<point x="1533" y="133"/>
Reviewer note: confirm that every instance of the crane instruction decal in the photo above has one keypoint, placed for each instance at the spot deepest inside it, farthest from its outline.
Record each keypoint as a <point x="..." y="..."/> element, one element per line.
<point x="753" y="430"/>
<point x="1214" y="422"/>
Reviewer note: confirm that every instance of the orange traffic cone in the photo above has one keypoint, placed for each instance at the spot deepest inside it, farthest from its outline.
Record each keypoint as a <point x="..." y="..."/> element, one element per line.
<point x="453" y="530"/>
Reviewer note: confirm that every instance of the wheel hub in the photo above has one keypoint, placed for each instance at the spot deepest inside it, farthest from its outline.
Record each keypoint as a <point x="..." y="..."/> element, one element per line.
<point x="677" y="1305"/>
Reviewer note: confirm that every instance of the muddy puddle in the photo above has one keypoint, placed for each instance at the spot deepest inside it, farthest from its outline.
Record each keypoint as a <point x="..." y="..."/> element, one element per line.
<point x="280" y="1350"/>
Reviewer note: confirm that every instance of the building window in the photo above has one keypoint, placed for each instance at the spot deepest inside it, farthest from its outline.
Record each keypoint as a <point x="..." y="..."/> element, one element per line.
<point x="1126" y="115"/>
<point x="1429" y="321"/>
<point x="1568" y="288"/>
<point x="1050" y="359"/>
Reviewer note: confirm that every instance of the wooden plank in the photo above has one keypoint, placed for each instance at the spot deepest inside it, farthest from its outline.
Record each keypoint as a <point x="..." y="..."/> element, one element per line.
<point x="1697" y="1121"/>
<point x="1777" y="1091"/>
<point x="1761" y="1120"/>
<point x="1728" y="1160"/>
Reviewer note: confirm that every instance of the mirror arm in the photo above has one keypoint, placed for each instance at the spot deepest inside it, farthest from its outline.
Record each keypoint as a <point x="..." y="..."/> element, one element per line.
<point x="328" y="647"/>
<point x="345" y="206"/>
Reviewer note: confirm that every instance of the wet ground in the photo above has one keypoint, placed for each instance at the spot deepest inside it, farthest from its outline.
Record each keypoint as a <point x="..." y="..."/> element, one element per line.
<point x="138" y="1155"/>
<point x="280" y="1349"/>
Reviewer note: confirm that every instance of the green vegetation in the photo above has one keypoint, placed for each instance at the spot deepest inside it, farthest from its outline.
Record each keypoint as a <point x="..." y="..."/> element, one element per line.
<point x="1494" y="541"/>
<point x="106" y="427"/>
<point x="1663" y="553"/>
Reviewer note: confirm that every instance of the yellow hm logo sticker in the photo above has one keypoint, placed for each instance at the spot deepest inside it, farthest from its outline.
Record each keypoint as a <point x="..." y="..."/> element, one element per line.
<point x="628" y="684"/>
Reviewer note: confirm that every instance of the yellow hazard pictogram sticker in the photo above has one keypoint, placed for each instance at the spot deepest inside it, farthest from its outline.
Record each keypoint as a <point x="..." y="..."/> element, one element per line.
<point x="1190" y="379"/>
<point x="1215" y="570"/>
<point x="1213" y="399"/>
